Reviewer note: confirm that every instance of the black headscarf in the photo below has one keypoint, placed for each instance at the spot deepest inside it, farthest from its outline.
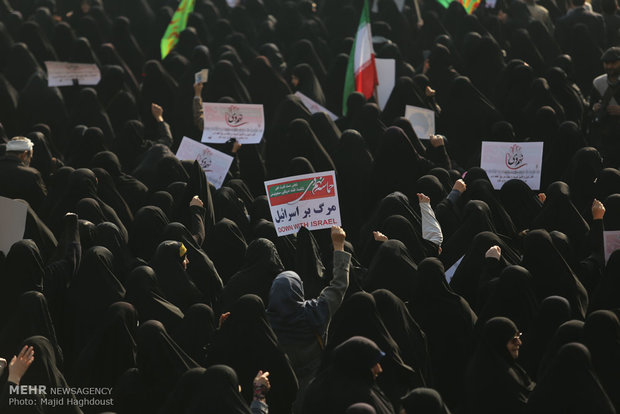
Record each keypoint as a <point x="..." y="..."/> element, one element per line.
<point x="358" y="316"/>
<point x="219" y="392"/>
<point x="569" y="331"/>
<point x="495" y="381"/>
<point x="397" y="163"/>
<point x="308" y="84"/>
<point x="552" y="275"/>
<point x="45" y="370"/>
<point x="31" y="317"/>
<point x="173" y="279"/>
<point x="553" y="312"/>
<point x="348" y="380"/>
<point x="309" y="264"/>
<point x="21" y="64"/>
<point x="131" y="189"/>
<point x="424" y="401"/>
<point x="87" y="110"/>
<point x="260" y="266"/>
<point x="266" y="85"/>
<point x="326" y="131"/>
<point x="146" y="230"/>
<point x="144" y="293"/>
<point x="23" y="270"/>
<point x="39" y="103"/>
<point x="111" y="350"/>
<point x="302" y="142"/>
<point x="405" y="331"/>
<point x="559" y="213"/>
<point x="513" y="297"/>
<point x="226" y="246"/>
<point x="392" y="268"/>
<point x="482" y="189"/>
<point x="224" y="81"/>
<point x="247" y="343"/>
<point x="448" y="322"/>
<point x="94" y="289"/>
<point x="602" y="337"/>
<point x="196" y="331"/>
<point x="466" y="119"/>
<point x="228" y="205"/>
<point x="570" y="385"/>
<point x="520" y="202"/>
<point x="161" y="362"/>
<point x="200" y="269"/>
<point x="355" y="165"/>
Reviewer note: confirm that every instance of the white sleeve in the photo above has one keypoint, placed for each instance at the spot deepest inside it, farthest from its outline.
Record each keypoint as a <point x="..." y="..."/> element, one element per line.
<point x="431" y="230"/>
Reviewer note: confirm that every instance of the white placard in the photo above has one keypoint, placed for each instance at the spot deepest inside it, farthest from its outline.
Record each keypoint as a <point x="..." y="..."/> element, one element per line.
<point x="308" y="200"/>
<point x="505" y="161"/>
<point x="201" y="77"/>
<point x="450" y="272"/>
<point x="422" y="120"/>
<point x="66" y="73"/>
<point x="223" y="121"/>
<point x="611" y="240"/>
<point x="314" y="107"/>
<point x="214" y="163"/>
<point x="386" y="75"/>
<point x="12" y="222"/>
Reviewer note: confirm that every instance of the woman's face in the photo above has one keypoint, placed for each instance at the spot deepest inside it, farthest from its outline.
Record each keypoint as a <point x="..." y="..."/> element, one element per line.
<point x="376" y="370"/>
<point x="514" y="344"/>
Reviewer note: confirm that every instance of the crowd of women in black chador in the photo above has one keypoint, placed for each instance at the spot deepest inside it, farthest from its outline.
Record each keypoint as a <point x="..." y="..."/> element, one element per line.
<point x="136" y="274"/>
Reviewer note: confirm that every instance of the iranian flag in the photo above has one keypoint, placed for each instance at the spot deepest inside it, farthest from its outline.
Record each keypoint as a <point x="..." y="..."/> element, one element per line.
<point x="361" y="70"/>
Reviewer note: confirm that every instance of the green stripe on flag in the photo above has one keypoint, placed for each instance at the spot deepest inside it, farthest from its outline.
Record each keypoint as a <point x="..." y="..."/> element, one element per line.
<point x="349" y="80"/>
<point x="176" y="26"/>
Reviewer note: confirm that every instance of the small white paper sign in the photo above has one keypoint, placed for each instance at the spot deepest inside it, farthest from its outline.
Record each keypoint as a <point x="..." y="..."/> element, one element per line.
<point x="214" y="163"/>
<point x="308" y="200"/>
<point x="505" y="161"/>
<point x="399" y="3"/>
<point x="386" y="75"/>
<point x="223" y="121"/>
<point x="450" y="272"/>
<point x="64" y="73"/>
<point x="422" y="120"/>
<point x="314" y="107"/>
<point x="611" y="240"/>
<point x="12" y="222"/>
<point x="201" y="77"/>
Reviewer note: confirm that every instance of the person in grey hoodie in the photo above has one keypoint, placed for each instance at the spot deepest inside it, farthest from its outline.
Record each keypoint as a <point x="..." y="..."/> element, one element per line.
<point x="301" y="324"/>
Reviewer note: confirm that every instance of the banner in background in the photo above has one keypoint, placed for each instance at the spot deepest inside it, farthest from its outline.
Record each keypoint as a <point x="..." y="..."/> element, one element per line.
<point x="176" y="26"/>
<point x="69" y="74"/>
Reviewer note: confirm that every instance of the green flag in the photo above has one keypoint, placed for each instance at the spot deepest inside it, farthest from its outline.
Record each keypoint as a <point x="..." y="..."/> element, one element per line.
<point x="176" y="26"/>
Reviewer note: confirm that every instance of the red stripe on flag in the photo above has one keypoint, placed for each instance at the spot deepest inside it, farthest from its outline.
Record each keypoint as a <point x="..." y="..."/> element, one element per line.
<point x="366" y="79"/>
